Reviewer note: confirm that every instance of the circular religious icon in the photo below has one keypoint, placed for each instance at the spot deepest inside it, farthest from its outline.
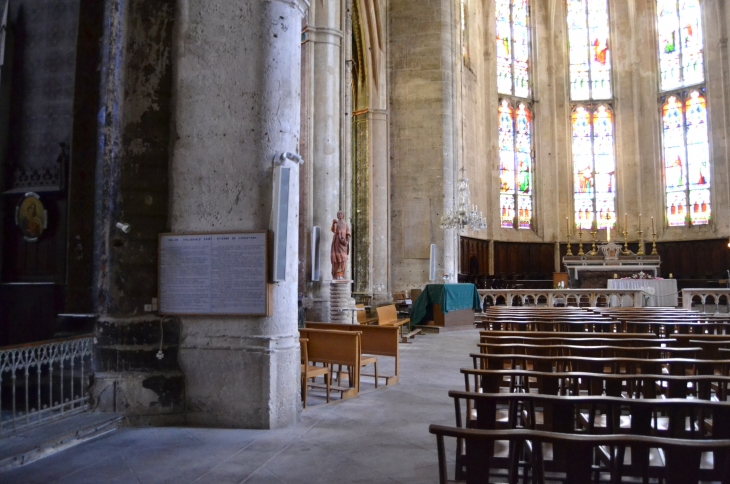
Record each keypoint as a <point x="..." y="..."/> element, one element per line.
<point x="31" y="217"/>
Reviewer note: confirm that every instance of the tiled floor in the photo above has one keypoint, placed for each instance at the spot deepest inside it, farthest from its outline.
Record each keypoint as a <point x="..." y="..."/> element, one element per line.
<point x="380" y="437"/>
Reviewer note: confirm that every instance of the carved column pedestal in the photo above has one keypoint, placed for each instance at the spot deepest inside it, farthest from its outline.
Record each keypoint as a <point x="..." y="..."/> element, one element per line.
<point x="340" y="297"/>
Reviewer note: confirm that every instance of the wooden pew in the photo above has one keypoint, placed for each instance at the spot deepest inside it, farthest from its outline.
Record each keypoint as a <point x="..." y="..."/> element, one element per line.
<point x="563" y="334"/>
<point x="362" y="317"/>
<point x="375" y="340"/>
<point x="579" y="339"/>
<point x="602" y="351"/>
<point x="333" y="347"/>
<point x="310" y="371"/>
<point x="388" y="316"/>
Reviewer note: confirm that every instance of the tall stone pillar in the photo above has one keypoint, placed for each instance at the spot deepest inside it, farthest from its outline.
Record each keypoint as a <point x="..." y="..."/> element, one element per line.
<point x="380" y="207"/>
<point x="325" y="35"/>
<point x="237" y="100"/>
<point x="132" y="188"/>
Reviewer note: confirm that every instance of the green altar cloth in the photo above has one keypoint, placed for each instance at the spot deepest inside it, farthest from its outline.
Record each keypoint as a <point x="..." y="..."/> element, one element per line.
<point x="451" y="297"/>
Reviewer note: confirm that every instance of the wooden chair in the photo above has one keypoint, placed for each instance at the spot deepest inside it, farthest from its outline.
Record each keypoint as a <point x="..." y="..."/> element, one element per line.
<point x="388" y="316"/>
<point x="375" y="340"/>
<point x="682" y="464"/>
<point x="333" y="347"/>
<point x="311" y="371"/>
<point x="362" y="317"/>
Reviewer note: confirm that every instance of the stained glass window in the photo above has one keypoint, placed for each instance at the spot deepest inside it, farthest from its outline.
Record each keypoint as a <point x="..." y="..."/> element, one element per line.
<point x="590" y="56"/>
<point x="679" y="25"/>
<point x="515" y="165"/>
<point x="594" y="163"/>
<point x="686" y="160"/>
<point x="513" y="47"/>
<point x="594" y="167"/>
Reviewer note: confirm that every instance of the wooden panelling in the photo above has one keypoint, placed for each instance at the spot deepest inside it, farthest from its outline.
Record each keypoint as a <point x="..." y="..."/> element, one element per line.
<point x="474" y="257"/>
<point x="699" y="259"/>
<point x="522" y="258"/>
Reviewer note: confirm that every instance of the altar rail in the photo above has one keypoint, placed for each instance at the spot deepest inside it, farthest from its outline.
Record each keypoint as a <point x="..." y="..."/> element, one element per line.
<point x="705" y="296"/>
<point x="568" y="297"/>
<point x="44" y="381"/>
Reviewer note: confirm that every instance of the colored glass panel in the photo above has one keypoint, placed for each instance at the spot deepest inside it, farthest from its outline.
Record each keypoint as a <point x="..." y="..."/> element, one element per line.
<point x="513" y="47"/>
<point x="686" y="160"/>
<point x="594" y="167"/>
<point x="681" y="45"/>
<point x="590" y="56"/>
<point x="515" y="165"/>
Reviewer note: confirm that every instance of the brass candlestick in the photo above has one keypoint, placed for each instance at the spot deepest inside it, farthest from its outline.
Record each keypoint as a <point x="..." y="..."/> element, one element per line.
<point x="641" y="243"/>
<point x="594" y="249"/>
<point x="653" y="244"/>
<point x="580" y="242"/>
<point x="570" y="251"/>
<point x="626" y="243"/>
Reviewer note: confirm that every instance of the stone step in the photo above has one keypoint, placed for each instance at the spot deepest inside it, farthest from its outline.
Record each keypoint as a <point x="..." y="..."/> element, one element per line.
<point x="26" y="446"/>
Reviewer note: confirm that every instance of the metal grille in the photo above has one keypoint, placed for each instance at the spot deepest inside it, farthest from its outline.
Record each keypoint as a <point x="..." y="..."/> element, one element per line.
<point x="44" y="381"/>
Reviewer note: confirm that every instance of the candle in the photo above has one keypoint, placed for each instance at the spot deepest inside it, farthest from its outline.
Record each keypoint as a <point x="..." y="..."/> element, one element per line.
<point x="608" y="234"/>
<point x="652" y="225"/>
<point x="626" y="222"/>
<point x="639" y="221"/>
<point x="567" y="223"/>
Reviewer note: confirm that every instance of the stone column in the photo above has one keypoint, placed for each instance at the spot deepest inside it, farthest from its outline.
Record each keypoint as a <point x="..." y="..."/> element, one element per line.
<point x="325" y="35"/>
<point x="132" y="188"/>
<point x="237" y="101"/>
<point x="380" y="204"/>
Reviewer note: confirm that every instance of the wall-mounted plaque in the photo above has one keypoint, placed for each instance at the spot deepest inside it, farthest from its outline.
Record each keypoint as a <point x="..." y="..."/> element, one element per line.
<point x="31" y="217"/>
<point x="214" y="274"/>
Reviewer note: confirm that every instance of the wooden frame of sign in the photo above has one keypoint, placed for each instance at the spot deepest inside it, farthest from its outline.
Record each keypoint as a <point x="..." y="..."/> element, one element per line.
<point x="214" y="274"/>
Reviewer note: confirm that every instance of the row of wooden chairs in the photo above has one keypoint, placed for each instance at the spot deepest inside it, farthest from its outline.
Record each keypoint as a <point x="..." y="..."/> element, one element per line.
<point x="532" y="388"/>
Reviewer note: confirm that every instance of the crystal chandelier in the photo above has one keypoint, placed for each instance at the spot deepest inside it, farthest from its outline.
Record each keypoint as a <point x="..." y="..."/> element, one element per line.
<point x="466" y="214"/>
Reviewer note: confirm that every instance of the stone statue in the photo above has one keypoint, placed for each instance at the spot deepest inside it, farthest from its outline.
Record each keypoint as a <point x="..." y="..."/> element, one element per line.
<point x="340" y="246"/>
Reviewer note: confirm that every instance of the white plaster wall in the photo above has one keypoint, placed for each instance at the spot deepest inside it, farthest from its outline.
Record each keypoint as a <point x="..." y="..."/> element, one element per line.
<point x="237" y="99"/>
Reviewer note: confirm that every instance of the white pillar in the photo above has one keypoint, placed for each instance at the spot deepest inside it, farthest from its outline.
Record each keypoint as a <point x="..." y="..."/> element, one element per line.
<point x="325" y="36"/>
<point x="237" y="102"/>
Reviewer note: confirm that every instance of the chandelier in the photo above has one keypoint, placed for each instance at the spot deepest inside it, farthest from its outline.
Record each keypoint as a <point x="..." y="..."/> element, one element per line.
<point x="465" y="214"/>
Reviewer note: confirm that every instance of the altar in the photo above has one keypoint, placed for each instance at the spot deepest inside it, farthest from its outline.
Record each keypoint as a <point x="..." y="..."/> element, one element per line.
<point x="593" y="270"/>
<point x="657" y="292"/>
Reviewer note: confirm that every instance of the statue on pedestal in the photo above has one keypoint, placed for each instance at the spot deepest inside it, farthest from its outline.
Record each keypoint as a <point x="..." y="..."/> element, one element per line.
<point x="340" y="246"/>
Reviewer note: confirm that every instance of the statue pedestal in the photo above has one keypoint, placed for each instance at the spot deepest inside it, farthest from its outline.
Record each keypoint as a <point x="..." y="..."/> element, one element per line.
<point x="341" y="297"/>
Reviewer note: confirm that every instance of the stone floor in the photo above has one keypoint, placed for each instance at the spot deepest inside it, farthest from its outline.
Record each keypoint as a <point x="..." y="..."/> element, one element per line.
<point x="380" y="437"/>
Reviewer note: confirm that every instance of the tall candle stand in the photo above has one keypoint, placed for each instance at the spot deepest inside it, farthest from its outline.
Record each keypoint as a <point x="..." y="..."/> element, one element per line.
<point x="653" y="243"/>
<point x="580" y="243"/>
<point x="594" y="250"/>
<point x="570" y="251"/>
<point x="626" y="243"/>
<point x="641" y="243"/>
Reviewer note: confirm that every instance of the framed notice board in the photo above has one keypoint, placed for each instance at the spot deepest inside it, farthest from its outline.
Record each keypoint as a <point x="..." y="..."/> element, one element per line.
<point x="214" y="274"/>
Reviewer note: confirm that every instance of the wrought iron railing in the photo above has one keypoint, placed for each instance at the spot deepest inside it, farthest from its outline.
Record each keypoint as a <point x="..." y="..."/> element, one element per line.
<point x="567" y="297"/>
<point x="44" y="381"/>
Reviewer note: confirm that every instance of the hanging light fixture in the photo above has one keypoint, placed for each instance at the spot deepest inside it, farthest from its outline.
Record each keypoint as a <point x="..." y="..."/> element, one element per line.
<point x="465" y="214"/>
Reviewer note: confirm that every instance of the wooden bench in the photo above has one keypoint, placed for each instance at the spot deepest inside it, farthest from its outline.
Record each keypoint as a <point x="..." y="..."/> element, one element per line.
<point x="362" y="317"/>
<point x="388" y="316"/>
<point x="375" y="340"/>
<point x="333" y="347"/>
<point x="602" y="351"/>
<point x="310" y="372"/>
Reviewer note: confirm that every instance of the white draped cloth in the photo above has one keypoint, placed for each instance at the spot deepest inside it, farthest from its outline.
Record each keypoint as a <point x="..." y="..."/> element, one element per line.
<point x="657" y="292"/>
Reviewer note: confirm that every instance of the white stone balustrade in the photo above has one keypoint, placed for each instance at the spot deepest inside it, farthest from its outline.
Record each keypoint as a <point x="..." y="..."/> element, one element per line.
<point x="569" y="297"/>
<point x="705" y="296"/>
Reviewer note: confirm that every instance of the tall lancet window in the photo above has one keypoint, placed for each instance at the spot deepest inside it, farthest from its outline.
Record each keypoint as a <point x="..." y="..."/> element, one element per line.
<point x="686" y="144"/>
<point x="515" y="114"/>
<point x="594" y="161"/>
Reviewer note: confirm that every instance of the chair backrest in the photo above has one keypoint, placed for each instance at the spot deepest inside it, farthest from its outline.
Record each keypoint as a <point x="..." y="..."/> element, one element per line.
<point x="332" y="346"/>
<point x="361" y="315"/>
<point x="387" y="314"/>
